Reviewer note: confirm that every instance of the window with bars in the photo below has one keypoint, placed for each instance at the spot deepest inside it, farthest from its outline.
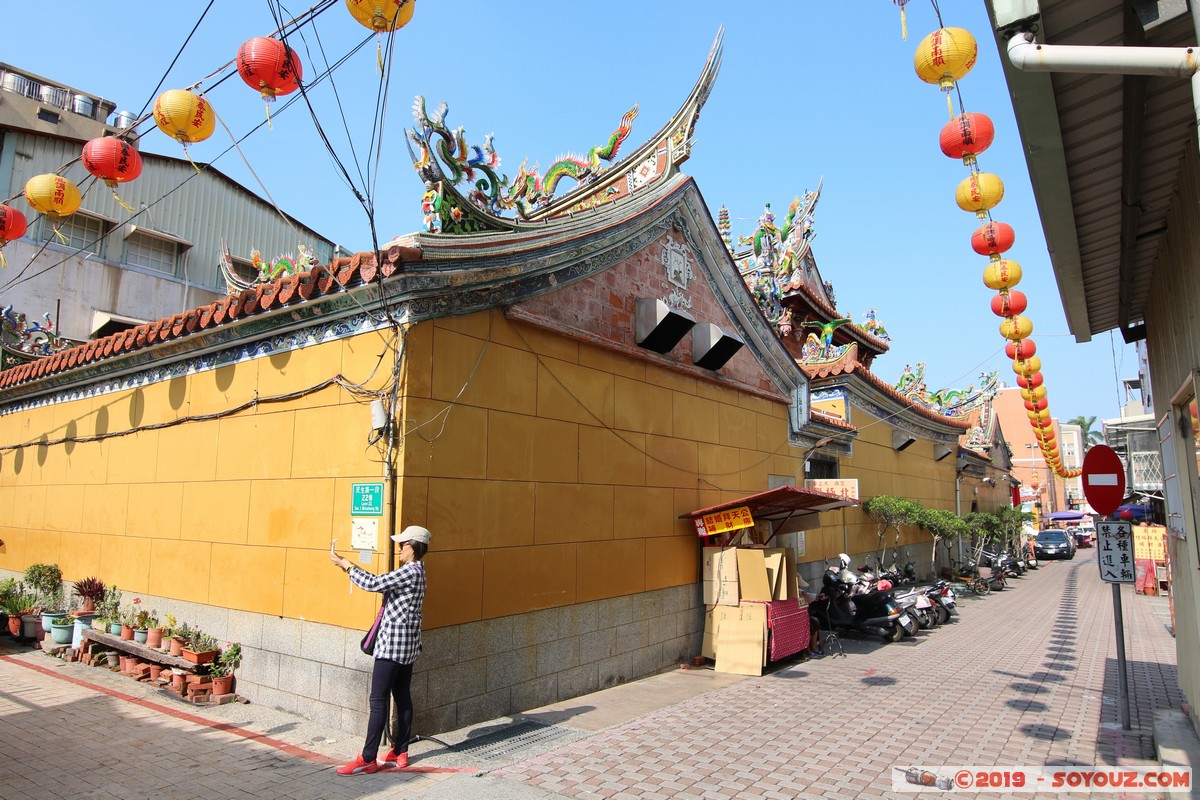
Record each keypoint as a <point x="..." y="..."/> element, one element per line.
<point x="822" y="469"/>
<point x="78" y="231"/>
<point x="151" y="252"/>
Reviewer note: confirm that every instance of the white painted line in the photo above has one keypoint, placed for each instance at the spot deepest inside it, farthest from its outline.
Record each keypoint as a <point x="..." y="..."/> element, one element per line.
<point x="1107" y="479"/>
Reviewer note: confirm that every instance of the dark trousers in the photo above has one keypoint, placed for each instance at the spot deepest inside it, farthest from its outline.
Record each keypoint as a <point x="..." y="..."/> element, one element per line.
<point x="395" y="679"/>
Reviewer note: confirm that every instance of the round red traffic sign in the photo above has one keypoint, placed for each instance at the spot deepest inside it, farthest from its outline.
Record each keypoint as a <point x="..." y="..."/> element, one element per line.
<point x="1103" y="479"/>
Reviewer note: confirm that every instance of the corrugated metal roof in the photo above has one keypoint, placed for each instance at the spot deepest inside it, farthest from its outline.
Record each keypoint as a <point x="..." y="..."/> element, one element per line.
<point x="1073" y="128"/>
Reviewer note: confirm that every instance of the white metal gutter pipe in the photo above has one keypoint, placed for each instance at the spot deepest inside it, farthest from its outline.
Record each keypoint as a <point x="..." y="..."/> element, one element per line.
<point x="1029" y="56"/>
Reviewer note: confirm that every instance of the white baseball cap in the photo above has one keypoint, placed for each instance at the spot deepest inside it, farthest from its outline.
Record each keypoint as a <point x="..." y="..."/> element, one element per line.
<point x="413" y="533"/>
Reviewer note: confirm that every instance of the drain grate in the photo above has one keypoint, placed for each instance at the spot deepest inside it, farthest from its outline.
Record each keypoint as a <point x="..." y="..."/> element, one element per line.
<point x="512" y="739"/>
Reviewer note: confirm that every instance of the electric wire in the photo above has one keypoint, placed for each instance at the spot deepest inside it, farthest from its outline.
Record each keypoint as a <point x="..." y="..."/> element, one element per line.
<point x="175" y="60"/>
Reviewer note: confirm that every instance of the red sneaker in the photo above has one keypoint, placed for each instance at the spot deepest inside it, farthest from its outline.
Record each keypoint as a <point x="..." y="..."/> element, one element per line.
<point x="358" y="766"/>
<point x="394" y="759"/>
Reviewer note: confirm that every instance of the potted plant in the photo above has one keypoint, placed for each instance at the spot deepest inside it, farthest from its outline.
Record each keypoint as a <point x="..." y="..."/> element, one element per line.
<point x="223" y="667"/>
<point x="61" y="629"/>
<point x="46" y="581"/>
<point x="128" y="618"/>
<point x="17" y="603"/>
<point x="201" y="648"/>
<point x="91" y="592"/>
<point x="7" y="587"/>
<point x="180" y="634"/>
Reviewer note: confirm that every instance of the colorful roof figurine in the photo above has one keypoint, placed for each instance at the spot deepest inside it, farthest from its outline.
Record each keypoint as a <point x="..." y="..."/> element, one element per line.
<point x="22" y="341"/>
<point x="950" y="402"/>
<point x="265" y="272"/>
<point x="465" y="192"/>
<point x="779" y="268"/>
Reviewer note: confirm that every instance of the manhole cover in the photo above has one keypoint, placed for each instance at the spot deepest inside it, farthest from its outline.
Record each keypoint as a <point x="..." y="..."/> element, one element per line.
<point x="507" y="741"/>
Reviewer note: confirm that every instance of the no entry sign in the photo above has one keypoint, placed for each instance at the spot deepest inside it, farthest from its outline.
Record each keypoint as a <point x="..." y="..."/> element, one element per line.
<point x="1103" y="479"/>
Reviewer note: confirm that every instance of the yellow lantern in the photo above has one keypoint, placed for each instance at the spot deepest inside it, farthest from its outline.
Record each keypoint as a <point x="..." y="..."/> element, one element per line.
<point x="1028" y="366"/>
<point x="1038" y="416"/>
<point x="53" y="195"/>
<point x="1016" y="328"/>
<point x="979" y="192"/>
<point x="382" y="15"/>
<point x="184" y="115"/>
<point x="1002" y="273"/>
<point x="1035" y="393"/>
<point x="945" y="56"/>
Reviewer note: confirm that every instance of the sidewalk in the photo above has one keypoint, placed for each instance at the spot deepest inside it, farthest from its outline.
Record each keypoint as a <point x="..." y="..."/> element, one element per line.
<point x="1023" y="677"/>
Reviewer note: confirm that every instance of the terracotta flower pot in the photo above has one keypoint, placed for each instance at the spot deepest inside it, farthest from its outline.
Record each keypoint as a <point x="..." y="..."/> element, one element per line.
<point x="154" y="637"/>
<point x="14" y="624"/>
<point x="199" y="657"/>
<point x="155" y="671"/>
<point x="127" y="633"/>
<point x="176" y="647"/>
<point x="177" y="682"/>
<point x="222" y="684"/>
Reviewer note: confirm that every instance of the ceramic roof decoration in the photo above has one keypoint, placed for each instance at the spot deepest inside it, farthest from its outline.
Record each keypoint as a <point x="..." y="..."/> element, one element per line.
<point x="466" y="193"/>
<point x="267" y="272"/>
<point x="873" y="326"/>
<point x="951" y="402"/>
<point x="779" y="268"/>
<point x="22" y="340"/>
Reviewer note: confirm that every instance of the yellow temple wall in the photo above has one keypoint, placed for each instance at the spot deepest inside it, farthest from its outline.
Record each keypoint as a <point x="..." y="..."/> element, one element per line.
<point x="235" y="512"/>
<point x="880" y="470"/>
<point x="553" y="472"/>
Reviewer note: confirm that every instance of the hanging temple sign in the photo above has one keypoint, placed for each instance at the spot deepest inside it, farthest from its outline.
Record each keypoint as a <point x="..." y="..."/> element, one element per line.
<point x="465" y="191"/>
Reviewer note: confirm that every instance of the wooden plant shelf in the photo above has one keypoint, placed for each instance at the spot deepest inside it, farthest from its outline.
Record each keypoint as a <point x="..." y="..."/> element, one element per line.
<point x="139" y="650"/>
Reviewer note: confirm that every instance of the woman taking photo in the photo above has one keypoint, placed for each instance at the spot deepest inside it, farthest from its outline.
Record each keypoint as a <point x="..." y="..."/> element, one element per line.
<point x="397" y="645"/>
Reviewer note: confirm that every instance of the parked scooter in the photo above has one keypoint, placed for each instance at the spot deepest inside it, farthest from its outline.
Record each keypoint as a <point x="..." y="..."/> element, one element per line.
<point x="874" y="613"/>
<point x="913" y="603"/>
<point x="945" y="604"/>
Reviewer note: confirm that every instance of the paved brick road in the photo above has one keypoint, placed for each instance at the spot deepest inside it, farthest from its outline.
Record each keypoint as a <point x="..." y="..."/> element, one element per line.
<point x="1025" y="677"/>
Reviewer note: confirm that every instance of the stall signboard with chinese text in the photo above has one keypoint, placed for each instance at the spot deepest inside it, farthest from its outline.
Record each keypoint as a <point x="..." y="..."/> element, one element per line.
<point x="723" y="521"/>
<point x="366" y="499"/>
<point x="1114" y="544"/>
<point x="846" y="488"/>
<point x="1150" y="541"/>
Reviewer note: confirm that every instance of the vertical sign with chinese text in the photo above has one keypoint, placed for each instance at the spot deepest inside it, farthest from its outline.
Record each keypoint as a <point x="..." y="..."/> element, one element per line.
<point x="1114" y="544"/>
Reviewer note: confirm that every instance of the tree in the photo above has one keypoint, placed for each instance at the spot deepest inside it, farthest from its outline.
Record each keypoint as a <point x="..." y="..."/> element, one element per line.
<point x="889" y="514"/>
<point x="984" y="528"/>
<point x="1090" y="437"/>
<point x="942" y="525"/>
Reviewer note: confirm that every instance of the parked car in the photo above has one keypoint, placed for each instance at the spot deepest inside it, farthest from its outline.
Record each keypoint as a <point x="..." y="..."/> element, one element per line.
<point x="1054" y="543"/>
<point x="1084" y="537"/>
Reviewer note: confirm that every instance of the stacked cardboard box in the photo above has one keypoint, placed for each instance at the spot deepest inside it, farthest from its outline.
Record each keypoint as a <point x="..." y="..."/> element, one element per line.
<point x="735" y="626"/>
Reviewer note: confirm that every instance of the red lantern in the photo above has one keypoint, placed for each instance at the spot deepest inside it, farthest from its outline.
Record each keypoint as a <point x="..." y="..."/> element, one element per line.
<point x="1032" y="382"/>
<point x="112" y="160"/>
<point x="1026" y="347"/>
<point x="12" y="224"/>
<point x="966" y="136"/>
<point x="993" y="239"/>
<point x="269" y="66"/>
<point x="1010" y="303"/>
<point x="1036" y="405"/>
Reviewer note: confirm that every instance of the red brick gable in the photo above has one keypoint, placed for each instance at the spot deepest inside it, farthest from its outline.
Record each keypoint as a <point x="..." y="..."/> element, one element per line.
<point x="603" y="306"/>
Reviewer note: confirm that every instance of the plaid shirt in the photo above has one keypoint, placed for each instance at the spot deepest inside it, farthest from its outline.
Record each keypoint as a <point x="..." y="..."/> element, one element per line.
<point x="399" y="636"/>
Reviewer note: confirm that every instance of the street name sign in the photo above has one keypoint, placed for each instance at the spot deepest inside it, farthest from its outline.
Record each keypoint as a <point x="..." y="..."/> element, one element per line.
<point x="1114" y="543"/>
<point x="1103" y="479"/>
<point x="366" y="499"/>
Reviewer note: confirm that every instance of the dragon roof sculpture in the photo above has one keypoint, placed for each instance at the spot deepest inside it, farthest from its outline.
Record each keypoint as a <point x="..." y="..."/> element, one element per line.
<point x="949" y="402"/>
<point x="465" y="192"/>
<point x="267" y="272"/>
<point x="22" y="340"/>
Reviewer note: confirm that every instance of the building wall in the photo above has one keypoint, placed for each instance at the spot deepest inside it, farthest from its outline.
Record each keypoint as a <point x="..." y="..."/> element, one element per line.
<point x="1173" y="345"/>
<point x="552" y="474"/>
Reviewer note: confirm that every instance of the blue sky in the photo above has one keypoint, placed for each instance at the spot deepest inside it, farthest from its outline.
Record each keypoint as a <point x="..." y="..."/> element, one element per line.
<point x="806" y="91"/>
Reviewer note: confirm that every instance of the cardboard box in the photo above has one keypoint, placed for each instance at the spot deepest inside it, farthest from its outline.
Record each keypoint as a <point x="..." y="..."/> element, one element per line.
<point x="720" y="564"/>
<point x="740" y="645"/>
<point x="721" y="593"/>
<point x="713" y="620"/>
<point x="753" y="581"/>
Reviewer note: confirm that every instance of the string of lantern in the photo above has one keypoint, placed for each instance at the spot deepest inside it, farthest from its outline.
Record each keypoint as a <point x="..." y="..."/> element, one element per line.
<point x="943" y="58"/>
<point x="266" y="64"/>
